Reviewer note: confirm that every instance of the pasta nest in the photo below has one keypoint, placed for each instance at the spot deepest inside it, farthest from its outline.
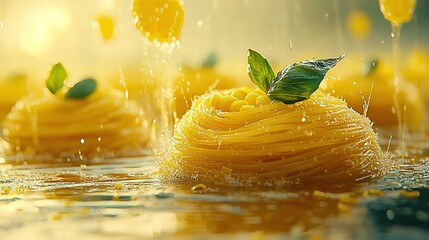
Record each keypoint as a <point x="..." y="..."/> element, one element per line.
<point x="53" y="129"/>
<point x="240" y="136"/>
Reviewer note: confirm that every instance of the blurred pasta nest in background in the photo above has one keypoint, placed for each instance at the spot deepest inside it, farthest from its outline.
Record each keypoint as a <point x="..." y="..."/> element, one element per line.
<point x="370" y="86"/>
<point x="53" y="129"/>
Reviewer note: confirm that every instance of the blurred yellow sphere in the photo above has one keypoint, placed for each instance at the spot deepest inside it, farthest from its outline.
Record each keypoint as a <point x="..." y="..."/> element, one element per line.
<point x="416" y="70"/>
<point x="160" y="20"/>
<point x="397" y="11"/>
<point x="358" y="24"/>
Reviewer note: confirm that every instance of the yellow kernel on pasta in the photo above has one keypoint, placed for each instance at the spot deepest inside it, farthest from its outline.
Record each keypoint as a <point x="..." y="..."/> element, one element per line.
<point x="240" y="94"/>
<point x="215" y="99"/>
<point x="246" y="107"/>
<point x="247" y="89"/>
<point x="262" y="100"/>
<point x="236" y="106"/>
<point x="251" y="98"/>
<point x="259" y="91"/>
<point x="225" y="102"/>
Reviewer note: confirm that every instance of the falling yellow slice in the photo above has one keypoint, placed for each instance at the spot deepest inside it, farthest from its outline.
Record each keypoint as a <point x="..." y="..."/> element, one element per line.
<point x="397" y="11"/>
<point x="107" y="26"/>
<point x="159" y="20"/>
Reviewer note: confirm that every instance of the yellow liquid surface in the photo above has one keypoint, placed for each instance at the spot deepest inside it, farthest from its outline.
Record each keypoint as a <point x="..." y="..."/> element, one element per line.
<point x="125" y="199"/>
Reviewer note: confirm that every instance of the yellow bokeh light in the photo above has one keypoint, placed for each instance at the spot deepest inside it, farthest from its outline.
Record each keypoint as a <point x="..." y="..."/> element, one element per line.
<point x="359" y="24"/>
<point x="40" y="25"/>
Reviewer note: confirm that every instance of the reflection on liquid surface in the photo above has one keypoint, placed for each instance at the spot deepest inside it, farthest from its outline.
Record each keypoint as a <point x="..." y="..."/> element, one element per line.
<point x="124" y="199"/>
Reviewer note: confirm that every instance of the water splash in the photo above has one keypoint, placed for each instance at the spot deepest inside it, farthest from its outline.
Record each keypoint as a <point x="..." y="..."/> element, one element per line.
<point x="400" y="112"/>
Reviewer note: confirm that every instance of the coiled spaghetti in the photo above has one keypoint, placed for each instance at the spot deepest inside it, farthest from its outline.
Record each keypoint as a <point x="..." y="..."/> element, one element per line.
<point x="51" y="128"/>
<point x="240" y="136"/>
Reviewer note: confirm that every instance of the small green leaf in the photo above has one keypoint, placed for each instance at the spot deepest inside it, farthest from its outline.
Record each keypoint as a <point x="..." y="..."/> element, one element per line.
<point x="371" y="66"/>
<point x="298" y="81"/>
<point x="259" y="70"/>
<point x="56" y="78"/>
<point x="81" y="89"/>
<point x="210" y="60"/>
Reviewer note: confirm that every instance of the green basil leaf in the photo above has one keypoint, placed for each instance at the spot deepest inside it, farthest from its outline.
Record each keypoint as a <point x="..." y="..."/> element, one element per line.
<point x="298" y="81"/>
<point x="56" y="78"/>
<point x="259" y="70"/>
<point x="371" y="66"/>
<point x="81" y="89"/>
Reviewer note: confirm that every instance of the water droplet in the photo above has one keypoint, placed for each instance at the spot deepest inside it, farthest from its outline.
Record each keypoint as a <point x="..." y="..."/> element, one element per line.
<point x="82" y="140"/>
<point x="94" y="24"/>
<point x="290" y="44"/>
<point x="200" y="23"/>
